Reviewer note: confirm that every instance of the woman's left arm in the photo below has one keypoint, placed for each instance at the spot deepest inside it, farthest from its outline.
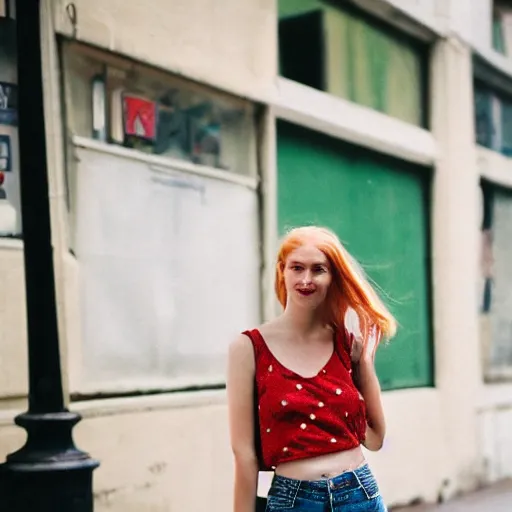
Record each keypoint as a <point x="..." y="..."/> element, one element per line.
<point x="368" y="384"/>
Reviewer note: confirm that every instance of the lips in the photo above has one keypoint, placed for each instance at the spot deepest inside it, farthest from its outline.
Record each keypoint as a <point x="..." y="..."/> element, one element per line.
<point x="306" y="293"/>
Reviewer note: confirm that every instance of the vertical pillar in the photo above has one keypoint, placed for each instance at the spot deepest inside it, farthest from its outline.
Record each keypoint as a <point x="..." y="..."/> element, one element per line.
<point x="455" y="257"/>
<point x="268" y="162"/>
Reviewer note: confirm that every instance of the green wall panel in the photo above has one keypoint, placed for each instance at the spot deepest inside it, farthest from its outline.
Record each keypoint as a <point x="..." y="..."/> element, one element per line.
<point x="379" y="209"/>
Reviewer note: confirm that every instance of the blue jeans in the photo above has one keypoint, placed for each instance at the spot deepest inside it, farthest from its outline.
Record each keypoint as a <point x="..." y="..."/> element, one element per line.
<point x="352" y="491"/>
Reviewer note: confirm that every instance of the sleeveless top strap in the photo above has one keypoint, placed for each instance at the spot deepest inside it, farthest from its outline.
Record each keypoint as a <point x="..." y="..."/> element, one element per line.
<point x="258" y="343"/>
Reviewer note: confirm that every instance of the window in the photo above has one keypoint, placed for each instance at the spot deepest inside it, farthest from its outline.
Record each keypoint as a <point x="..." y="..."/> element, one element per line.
<point x="379" y="208"/>
<point x="501" y="17"/>
<point x="498" y="39"/>
<point x="120" y="102"/>
<point x="349" y="54"/>
<point x="496" y="281"/>
<point x="10" y="207"/>
<point x="493" y="118"/>
<point x="165" y="223"/>
<point x="8" y="9"/>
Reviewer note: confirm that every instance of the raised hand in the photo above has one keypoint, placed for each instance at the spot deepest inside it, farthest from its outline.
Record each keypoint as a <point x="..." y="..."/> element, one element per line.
<point x="364" y="351"/>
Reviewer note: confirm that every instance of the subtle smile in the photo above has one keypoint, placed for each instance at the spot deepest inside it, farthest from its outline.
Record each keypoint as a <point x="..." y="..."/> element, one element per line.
<point x="306" y="292"/>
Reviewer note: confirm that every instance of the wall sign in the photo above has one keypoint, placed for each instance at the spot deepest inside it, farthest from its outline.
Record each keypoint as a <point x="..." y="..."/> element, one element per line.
<point x="139" y="117"/>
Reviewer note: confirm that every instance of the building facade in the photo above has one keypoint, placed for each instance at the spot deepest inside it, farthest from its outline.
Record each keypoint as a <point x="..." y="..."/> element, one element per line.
<point x="183" y="139"/>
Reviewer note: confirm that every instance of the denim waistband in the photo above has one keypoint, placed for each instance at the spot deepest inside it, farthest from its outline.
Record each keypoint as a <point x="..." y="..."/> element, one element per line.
<point x="360" y="478"/>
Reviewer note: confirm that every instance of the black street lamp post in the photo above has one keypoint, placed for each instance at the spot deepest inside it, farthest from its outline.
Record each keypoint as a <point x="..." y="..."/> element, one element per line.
<point x="48" y="473"/>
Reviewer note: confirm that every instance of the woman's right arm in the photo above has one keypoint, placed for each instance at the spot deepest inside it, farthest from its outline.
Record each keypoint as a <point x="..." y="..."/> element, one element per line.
<point x="240" y="388"/>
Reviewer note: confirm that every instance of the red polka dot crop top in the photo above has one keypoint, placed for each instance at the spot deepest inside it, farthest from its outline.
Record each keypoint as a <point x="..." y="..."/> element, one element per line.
<point x="303" y="417"/>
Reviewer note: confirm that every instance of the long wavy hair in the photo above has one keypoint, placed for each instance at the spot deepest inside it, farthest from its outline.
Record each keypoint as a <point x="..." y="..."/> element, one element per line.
<point x="349" y="287"/>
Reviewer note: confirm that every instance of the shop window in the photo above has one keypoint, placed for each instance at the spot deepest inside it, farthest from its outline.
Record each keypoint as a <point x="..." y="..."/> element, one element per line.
<point x="493" y="119"/>
<point x="117" y="101"/>
<point x="349" y="54"/>
<point x="496" y="281"/>
<point x="149" y="223"/>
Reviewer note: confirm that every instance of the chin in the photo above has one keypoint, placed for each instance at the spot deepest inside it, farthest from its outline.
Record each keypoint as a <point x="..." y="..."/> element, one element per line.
<point x="309" y="303"/>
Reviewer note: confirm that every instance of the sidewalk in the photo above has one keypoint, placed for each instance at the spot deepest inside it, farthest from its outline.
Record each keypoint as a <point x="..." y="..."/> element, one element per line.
<point x="497" y="498"/>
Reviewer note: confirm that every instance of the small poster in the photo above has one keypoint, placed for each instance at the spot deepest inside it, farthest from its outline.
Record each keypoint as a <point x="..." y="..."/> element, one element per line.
<point x="139" y="117"/>
<point x="8" y="104"/>
<point x="5" y="153"/>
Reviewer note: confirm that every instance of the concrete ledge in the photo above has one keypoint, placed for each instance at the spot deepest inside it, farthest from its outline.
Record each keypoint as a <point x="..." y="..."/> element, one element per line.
<point x="138" y="404"/>
<point x="494" y="166"/>
<point x="13" y="244"/>
<point x="353" y="123"/>
<point x="495" y="396"/>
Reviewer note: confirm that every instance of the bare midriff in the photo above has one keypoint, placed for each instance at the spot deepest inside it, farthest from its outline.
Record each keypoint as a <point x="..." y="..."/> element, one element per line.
<point x="323" y="466"/>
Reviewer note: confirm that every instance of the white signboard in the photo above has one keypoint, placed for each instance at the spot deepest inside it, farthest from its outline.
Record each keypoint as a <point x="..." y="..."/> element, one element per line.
<point x="170" y="269"/>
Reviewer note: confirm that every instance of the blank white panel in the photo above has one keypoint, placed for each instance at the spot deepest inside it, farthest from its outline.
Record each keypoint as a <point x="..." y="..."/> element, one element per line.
<point x="170" y="268"/>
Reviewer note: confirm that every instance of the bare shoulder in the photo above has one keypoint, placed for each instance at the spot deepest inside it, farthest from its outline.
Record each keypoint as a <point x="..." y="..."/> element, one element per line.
<point x="241" y="367"/>
<point x="241" y="351"/>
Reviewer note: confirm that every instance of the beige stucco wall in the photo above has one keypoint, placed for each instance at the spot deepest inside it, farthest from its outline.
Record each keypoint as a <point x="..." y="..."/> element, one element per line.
<point x="162" y="453"/>
<point x="156" y="451"/>
<point x="11" y="437"/>
<point x="494" y="427"/>
<point x="469" y="20"/>
<point x="13" y="340"/>
<point x="171" y="452"/>
<point x="230" y="44"/>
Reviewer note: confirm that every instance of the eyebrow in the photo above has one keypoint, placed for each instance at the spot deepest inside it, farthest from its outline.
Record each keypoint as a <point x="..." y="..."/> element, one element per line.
<point x="314" y="264"/>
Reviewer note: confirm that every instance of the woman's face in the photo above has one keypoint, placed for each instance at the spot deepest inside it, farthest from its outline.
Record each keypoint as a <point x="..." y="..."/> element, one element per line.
<point x="307" y="276"/>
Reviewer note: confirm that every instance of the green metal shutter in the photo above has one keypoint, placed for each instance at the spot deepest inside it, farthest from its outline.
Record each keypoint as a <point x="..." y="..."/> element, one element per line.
<point x="379" y="209"/>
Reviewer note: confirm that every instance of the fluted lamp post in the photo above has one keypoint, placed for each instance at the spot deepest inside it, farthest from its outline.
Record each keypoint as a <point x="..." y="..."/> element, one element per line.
<point x="48" y="473"/>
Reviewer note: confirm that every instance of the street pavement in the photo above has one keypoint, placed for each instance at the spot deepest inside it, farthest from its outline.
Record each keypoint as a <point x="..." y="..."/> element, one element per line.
<point x="497" y="498"/>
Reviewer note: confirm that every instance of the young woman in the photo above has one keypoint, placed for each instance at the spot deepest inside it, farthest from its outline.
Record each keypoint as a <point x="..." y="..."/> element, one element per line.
<point x="312" y="384"/>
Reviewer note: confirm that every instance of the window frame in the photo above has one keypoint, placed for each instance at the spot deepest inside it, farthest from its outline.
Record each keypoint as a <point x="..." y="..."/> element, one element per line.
<point x="126" y="65"/>
<point x="491" y="372"/>
<point x="260" y="133"/>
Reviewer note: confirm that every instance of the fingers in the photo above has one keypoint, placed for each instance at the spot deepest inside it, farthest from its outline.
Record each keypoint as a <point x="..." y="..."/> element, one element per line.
<point x="357" y="349"/>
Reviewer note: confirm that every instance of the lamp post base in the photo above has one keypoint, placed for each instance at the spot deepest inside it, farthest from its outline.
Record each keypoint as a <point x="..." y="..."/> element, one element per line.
<point x="48" y="474"/>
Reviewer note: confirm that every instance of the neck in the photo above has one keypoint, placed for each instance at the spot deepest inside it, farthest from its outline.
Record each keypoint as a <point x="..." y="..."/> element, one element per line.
<point x="303" y="322"/>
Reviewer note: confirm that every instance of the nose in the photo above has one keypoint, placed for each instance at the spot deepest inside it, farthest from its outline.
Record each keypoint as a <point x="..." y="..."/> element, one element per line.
<point x="306" y="279"/>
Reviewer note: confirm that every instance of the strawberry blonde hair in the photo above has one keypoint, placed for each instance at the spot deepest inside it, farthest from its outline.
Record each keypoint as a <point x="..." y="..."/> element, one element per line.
<point x="349" y="288"/>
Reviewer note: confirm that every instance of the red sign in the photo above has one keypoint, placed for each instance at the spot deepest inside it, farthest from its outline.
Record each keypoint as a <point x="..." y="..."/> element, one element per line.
<point x="139" y="117"/>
